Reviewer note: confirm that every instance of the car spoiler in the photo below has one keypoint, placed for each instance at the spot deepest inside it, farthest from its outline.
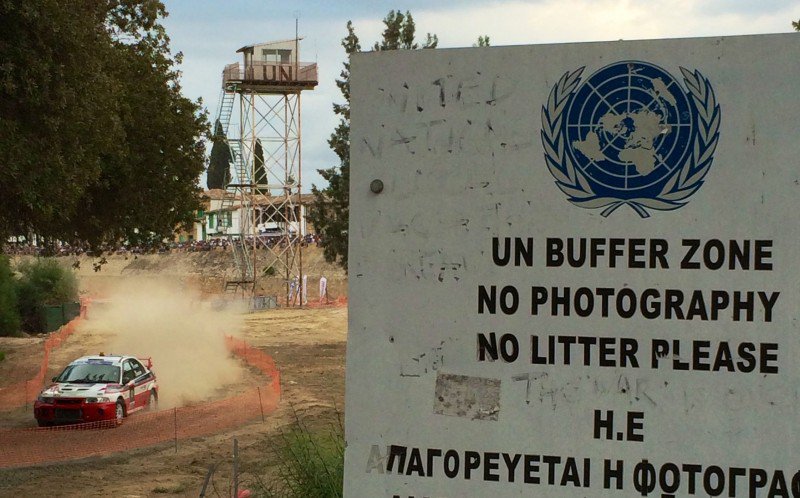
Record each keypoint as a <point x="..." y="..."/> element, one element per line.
<point x="148" y="361"/>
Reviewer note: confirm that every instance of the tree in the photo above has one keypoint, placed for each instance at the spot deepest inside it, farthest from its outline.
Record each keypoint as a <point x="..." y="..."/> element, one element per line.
<point x="219" y="162"/>
<point x="258" y="166"/>
<point x="331" y="207"/>
<point x="43" y="282"/>
<point x="96" y="141"/>
<point x="9" y="315"/>
<point x="796" y="25"/>
<point x="483" y="41"/>
<point x="399" y="33"/>
<point x="57" y="110"/>
<point x="151" y="186"/>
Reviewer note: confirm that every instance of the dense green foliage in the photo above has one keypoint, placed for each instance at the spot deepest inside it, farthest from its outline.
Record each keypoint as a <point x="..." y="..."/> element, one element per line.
<point x="796" y="25"/>
<point x="43" y="282"/>
<point x="219" y="162"/>
<point x="23" y="298"/>
<point x="310" y="464"/>
<point x="331" y="209"/>
<point x="96" y="141"/>
<point x="9" y="315"/>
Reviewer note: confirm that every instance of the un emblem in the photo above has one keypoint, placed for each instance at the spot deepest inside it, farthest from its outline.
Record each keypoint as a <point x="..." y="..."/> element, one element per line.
<point x="630" y="135"/>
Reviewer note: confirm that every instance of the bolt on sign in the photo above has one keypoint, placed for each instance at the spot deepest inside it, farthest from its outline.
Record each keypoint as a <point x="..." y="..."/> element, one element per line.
<point x="579" y="276"/>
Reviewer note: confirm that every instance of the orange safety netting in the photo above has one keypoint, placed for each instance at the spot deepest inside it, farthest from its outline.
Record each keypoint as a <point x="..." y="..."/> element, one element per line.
<point x="339" y="302"/>
<point x="21" y="393"/>
<point x="24" y="447"/>
<point x="257" y="359"/>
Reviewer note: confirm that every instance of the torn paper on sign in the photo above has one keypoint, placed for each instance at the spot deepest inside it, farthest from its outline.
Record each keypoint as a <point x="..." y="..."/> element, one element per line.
<point x="475" y="398"/>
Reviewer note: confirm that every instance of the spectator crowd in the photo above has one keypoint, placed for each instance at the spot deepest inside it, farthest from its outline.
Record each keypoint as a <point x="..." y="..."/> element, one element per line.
<point x="61" y="249"/>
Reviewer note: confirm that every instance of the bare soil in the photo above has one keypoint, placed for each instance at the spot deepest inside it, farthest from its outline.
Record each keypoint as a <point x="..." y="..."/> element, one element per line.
<point x="308" y="346"/>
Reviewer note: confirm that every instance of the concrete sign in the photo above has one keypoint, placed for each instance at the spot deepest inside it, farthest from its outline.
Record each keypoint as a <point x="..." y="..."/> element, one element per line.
<point x="574" y="270"/>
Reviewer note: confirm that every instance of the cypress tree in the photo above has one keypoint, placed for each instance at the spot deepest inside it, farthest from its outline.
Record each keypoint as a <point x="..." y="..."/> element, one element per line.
<point x="260" y="172"/>
<point x="219" y="162"/>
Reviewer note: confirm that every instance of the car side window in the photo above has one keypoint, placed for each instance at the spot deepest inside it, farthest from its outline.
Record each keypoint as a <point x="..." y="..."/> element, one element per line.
<point x="127" y="372"/>
<point x="138" y="369"/>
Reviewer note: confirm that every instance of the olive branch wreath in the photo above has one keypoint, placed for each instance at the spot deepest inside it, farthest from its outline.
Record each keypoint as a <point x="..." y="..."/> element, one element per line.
<point x="681" y="185"/>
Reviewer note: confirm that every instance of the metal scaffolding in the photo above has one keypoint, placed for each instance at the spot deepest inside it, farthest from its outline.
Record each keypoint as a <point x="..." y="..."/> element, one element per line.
<point x="260" y="115"/>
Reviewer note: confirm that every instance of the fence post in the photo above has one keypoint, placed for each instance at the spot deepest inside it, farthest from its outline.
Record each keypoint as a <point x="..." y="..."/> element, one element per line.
<point x="260" y="404"/>
<point x="235" y="468"/>
<point x="210" y="472"/>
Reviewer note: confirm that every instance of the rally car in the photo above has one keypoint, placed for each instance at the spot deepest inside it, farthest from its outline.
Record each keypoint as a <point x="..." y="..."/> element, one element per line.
<point x="96" y="388"/>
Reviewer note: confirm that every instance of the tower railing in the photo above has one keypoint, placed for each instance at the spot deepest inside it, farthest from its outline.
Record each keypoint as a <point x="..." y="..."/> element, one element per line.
<point x="301" y="74"/>
<point x="225" y="109"/>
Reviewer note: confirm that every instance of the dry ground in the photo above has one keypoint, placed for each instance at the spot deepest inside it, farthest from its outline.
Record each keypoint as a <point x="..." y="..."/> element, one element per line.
<point x="308" y="347"/>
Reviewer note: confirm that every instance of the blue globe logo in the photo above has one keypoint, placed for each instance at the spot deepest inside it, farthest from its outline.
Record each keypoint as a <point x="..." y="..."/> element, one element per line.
<point x="629" y="135"/>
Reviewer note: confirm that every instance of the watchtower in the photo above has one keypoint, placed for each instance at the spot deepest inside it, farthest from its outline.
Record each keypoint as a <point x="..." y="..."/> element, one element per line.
<point x="260" y="114"/>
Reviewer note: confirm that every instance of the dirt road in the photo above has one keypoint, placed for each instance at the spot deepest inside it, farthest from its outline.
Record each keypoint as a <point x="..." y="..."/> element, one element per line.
<point x="308" y="347"/>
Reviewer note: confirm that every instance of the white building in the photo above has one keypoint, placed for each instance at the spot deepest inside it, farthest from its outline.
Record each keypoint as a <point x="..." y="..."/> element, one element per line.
<point x="218" y="218"/>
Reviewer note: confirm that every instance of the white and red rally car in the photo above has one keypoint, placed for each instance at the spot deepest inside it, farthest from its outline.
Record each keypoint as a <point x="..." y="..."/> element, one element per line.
<point x="95" y="388"/>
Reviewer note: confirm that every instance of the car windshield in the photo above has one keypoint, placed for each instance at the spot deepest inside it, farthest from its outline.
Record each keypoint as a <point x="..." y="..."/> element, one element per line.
<point x="89" y="373"/>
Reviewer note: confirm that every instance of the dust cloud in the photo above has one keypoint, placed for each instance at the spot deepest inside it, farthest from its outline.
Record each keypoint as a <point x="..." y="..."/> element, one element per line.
<point x="183" y="335"/>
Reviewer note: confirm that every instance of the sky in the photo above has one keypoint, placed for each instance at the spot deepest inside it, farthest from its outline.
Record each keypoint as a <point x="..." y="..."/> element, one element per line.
<point x="208" y="33"/>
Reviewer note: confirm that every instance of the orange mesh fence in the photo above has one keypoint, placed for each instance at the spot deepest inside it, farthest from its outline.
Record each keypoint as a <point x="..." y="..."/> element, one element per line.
<point x="24" y="447"/>
<point x="20" y="393"/>
<point x="338" y="302"/>
<point x="255" y="358"/>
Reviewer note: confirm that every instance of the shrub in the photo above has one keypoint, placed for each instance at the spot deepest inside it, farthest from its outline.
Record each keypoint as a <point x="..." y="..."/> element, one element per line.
<point x="43" y="282"/>
<point x="9" y="315"/>
<point x="310" y="464"/>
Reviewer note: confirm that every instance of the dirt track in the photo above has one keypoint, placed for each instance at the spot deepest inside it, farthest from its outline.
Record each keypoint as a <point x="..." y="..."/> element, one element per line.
<point x="307" y="345"/>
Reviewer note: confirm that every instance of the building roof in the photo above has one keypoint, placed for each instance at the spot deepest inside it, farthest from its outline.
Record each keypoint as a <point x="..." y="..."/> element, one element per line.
<point x="274" y="42"/>
<point x="215" y="194"/>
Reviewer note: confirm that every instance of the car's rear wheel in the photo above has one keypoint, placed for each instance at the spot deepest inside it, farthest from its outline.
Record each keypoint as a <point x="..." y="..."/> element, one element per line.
<point x="152" y="403"/>
<point x="119" y="412"/>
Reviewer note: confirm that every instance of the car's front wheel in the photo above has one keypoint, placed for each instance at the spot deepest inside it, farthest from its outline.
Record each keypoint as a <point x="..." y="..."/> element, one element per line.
<point x="119" y="411"/>
<point x="152" y="403"/>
